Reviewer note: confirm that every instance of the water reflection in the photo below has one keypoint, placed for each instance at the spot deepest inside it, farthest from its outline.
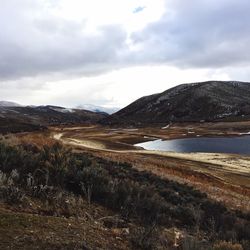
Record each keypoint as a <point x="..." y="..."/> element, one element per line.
<point x="236" y="145"/>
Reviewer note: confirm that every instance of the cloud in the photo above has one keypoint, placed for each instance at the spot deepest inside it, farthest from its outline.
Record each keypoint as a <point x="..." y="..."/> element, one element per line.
<point x="75" y="52"/>
<point x="197" y="33"/>
<point x="34" y="41"/>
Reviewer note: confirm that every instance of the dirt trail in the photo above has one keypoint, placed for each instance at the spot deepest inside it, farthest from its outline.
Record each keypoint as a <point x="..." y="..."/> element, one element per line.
<point x="229" y="162"/>
<point x="224" y="177"/>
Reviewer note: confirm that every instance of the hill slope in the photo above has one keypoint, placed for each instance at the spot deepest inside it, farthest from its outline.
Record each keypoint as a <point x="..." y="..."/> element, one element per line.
<point x="18" y="119"/>
<point x="209" y="101"/>
<point x="9" y="104"/>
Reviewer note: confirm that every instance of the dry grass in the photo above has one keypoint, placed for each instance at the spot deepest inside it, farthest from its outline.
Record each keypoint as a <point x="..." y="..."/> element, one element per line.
<point x="234" y="197"/>
<point x="27" y="231"/>
<point x="219" y="178"/>
<point x="36" y="138"/>
<point x="227" y="246"/>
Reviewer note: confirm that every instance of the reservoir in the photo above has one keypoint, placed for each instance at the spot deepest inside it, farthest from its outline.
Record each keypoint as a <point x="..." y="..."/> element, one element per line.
<point x="234" y="145"/>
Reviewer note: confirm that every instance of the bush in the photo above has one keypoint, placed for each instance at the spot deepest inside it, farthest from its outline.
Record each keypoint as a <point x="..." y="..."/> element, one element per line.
<point x="94" y="182"/>
<point x="11" y="195"/>
<point x="9" y="157"/>
<point x="56" y="159"/>
<point x="146" y="238"/>
<point x="140" y="196"/>
<point x="223" y="245"/>
<point x="191" y="243"/>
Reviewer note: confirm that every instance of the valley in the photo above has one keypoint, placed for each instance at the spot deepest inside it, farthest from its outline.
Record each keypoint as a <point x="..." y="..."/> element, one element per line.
<point x="225" y="177"/>
<point x="124" y="125"/>
<point x="78" y="179"/>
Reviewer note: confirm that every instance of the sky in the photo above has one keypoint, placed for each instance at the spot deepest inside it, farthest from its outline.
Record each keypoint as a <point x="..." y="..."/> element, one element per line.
<point x="112" y="52"/>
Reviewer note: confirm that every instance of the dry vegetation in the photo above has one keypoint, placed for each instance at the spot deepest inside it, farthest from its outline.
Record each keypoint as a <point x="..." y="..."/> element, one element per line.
<point x="116" y="196"/>
<point x="223" y="177"/>
<point x="59" y="199"/>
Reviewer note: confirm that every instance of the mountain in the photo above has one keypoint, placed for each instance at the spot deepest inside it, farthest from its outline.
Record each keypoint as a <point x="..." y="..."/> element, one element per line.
<point x="9" y="104"/>
<point x="204" y="101"/>
<point x="29" y="118"/>
<point x="98" y="109"/>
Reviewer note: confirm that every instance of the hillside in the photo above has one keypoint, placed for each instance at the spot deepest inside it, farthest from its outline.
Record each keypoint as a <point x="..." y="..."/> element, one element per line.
<point x="18" y="119"/>
<point x="54" y="198"/>
<point x="9" y="104"/>
<point x="98" y="109"/>
<point x="208" y="101"/>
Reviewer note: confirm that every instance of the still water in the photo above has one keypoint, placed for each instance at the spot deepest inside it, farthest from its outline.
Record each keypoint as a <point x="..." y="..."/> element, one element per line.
<point x="235" y="145"/>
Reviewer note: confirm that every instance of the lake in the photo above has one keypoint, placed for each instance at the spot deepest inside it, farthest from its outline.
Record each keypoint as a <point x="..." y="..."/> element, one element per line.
<point x="234" y="145"/>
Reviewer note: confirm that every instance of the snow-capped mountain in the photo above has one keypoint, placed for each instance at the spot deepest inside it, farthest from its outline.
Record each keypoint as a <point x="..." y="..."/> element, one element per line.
<point x="96" y="108"/>
<point x="9" y="104"/>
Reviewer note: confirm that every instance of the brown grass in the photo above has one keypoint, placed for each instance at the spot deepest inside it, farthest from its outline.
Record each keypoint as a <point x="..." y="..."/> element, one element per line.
<point x="220" y="184"/>
<point x="27" y="231"/>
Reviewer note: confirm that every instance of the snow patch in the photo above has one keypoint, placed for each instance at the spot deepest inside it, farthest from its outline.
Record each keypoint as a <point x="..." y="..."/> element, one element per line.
<point x="166" y="127"/>
<point x="64" y="110"/>
<point x="97" y="109"/>
<point x="247" y="133"/>
<point x="130" y="129"/>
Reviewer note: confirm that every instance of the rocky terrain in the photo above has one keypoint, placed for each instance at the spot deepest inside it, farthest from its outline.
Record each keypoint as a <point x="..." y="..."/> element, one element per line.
<point x="195" y="102"/>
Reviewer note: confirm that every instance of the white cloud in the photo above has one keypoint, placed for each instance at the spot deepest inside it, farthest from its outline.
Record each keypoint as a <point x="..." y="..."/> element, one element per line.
<point x="114" y="89"/>
<point x="198" y="33"/>
<point x="71" y="52"/>
<point x="111" y="12"/>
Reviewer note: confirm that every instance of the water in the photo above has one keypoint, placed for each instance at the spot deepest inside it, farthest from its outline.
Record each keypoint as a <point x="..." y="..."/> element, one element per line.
<point x="234" y="145"/>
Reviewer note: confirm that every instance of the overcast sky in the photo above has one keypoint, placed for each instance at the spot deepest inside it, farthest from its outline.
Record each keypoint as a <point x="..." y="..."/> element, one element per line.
<point x="109" y="53"/>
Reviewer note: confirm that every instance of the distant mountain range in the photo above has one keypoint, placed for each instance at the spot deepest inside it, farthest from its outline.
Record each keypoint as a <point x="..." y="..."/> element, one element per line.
<point x="99" y="109"/>
<point x="194" y="102"/>
<point x="29" y="118"/>
<point x="89" y="107"/>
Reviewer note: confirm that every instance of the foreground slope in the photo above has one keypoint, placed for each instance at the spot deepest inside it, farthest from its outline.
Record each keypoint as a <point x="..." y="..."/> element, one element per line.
<point x="209" y="101"/>
<point x="52" y="197"/>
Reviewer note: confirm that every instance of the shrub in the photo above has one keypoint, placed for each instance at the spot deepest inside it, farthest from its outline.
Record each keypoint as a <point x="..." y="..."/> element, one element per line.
<point x="9" y="157"/>
<point x="191" y="243"/>
<point x="42" y="192"/>
<point x="56" y="159"/>
<point x="144" y="203"/>
<point x="4" y="179"/>
<point x="146" y="238"/>
<point x="223" y="245"/>
<point x="11" y="195"/>
<point x="142" y="196"/>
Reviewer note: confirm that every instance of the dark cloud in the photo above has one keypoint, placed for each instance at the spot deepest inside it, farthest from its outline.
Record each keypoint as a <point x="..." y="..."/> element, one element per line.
<point x="193" y="34"/>
<point x="198" y="33"/>
<point x="33" y="42"/>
